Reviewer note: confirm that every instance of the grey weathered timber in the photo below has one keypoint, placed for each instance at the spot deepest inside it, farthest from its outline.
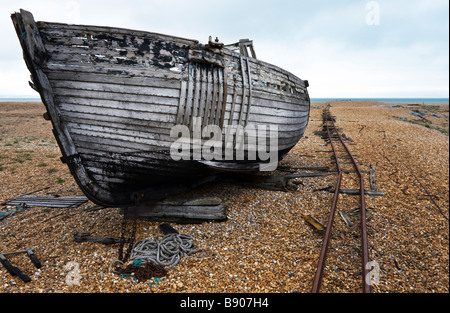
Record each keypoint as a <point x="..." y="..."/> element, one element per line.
<point x="85" y="236"/>
<point x="114" y="96"/>
<point x="51" y="202"/>
<point x="180" y="211"/>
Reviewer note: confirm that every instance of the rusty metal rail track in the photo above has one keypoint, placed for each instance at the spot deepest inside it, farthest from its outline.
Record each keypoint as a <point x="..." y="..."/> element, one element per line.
<point x="327" y="237"/>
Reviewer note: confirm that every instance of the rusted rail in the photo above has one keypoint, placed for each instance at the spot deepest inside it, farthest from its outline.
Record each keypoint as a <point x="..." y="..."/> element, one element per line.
<point x="328" y="119"/>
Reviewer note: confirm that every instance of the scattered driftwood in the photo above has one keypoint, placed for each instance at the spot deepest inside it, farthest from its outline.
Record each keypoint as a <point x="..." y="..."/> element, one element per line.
<point x="404" y="190"/>
<point x="52" y="217"/>
<point x="420" y="184"/>
<point x="322" y="134"/>
<point x="272" y="182"/>
<point x="372" y="178"/>
<point x="313" y="222"/>
<point x="83" y="236"/>
<point x="353" y="192"/>
<point x="396" y="265"/>
<point x="307" y="156"/>
<point x="322" y="189"/>
<point x="356" y="192"/>
<point x="304" y="168"/>
<point x="6" y="215"/>
<point x="315" y="168"/>
<point x="324" y="151"/>
<point x="180" y="211"/>
<point x="346" y="218"/>
<point x="166" y="229"/>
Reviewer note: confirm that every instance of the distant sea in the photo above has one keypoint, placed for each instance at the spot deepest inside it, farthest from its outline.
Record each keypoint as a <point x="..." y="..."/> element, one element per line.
<point x="315" y="100"/>
<point x="20" y="99"/>
<point x="390" y="100"/>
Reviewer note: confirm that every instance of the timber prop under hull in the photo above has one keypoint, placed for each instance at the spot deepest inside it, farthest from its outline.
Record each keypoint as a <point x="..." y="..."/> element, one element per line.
<point x="114" y="95"/>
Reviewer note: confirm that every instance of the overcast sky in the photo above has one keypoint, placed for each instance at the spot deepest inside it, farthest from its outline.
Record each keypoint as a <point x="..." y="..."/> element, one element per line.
<point x="345" y="48"/>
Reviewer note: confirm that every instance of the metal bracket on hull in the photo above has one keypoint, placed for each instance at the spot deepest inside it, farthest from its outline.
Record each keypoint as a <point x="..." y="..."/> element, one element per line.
<point x="243" y="45"/>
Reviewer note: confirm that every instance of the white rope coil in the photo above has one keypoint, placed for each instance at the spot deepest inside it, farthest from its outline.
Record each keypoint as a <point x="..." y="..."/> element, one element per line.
<point x="166" y="252"/>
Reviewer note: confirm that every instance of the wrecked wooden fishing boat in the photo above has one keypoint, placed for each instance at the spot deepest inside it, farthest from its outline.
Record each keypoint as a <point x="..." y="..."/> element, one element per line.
<point x="139" y="115"/>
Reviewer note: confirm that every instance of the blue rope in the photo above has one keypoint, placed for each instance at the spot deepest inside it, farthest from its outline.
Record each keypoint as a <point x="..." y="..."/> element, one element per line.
<point x="23" y="34"/>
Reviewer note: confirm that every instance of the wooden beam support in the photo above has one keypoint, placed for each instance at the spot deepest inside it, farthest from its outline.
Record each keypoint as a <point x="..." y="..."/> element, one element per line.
<point x="180" y="211"/>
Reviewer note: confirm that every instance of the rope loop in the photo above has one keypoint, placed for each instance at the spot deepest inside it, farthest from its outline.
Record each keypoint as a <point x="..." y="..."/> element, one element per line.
<point x="167" y="250"/>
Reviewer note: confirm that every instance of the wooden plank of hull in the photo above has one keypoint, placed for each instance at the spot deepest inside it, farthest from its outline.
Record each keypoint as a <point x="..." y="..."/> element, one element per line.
<point x="82" y="30"/>
<point x="117" y="121"/>
<point x="112" y="48"/>
<point x="144" y="168"/>
<point x="115" y="79"/>
<point x="144" y="165"/>
<point x="132" y="98"/>
<point x="115" y="108"/>
<point x="115" y="88"/>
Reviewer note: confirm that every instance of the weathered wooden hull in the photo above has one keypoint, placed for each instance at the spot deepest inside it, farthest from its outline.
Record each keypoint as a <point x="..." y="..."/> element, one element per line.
<point x="114" y="95"/>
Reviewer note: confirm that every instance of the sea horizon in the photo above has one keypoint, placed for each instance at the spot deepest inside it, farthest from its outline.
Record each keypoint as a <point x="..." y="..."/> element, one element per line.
<point x="388" y="100"/>
<point x="313" y="100"/>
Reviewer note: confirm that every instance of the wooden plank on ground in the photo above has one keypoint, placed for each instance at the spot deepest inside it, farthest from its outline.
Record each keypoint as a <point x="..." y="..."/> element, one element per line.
<point x="51" y="202"/>
<point x="180" y="211"/>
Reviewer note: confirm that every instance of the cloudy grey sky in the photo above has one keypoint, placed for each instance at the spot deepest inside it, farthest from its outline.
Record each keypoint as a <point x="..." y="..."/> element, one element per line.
<point x="345" y="48"/>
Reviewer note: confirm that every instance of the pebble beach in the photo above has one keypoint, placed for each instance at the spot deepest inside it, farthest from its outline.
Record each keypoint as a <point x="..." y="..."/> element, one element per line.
<point x="265" y="245"/>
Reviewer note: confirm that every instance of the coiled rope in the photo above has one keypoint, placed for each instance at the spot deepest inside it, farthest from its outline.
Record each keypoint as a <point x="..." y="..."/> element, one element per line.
<point x="166" y="252"/>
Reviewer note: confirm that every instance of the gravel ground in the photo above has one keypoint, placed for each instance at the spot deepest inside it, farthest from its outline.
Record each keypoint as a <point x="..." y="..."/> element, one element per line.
<point x="265" y="245"/>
